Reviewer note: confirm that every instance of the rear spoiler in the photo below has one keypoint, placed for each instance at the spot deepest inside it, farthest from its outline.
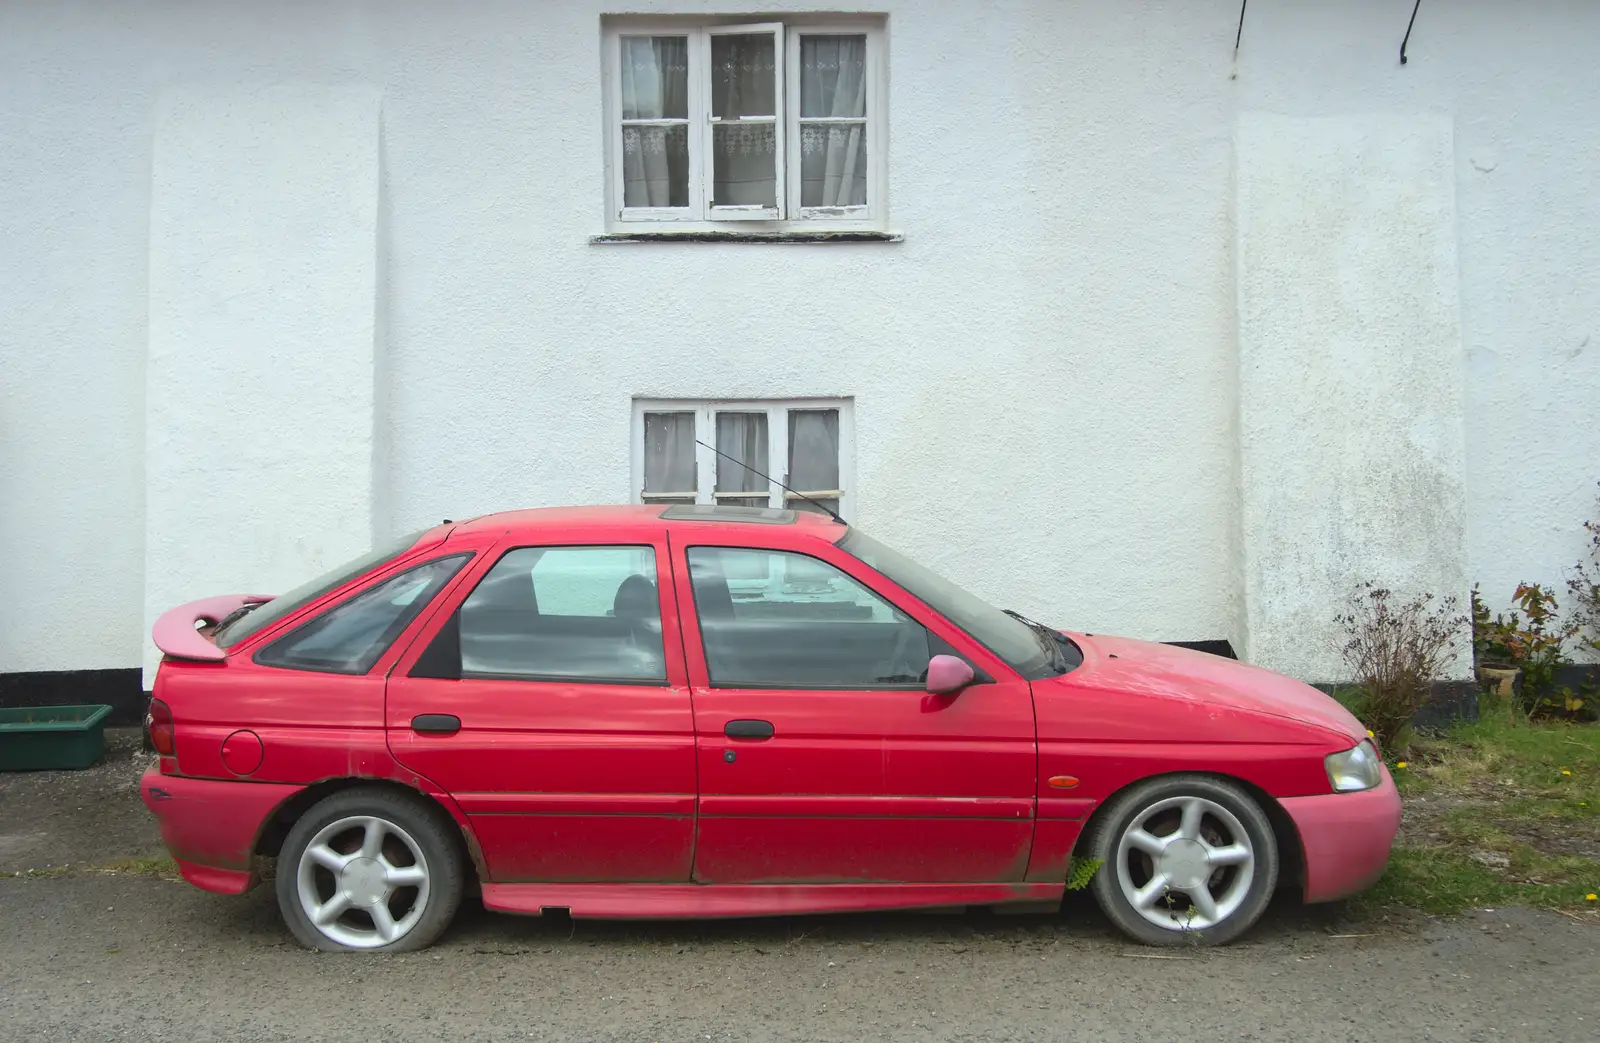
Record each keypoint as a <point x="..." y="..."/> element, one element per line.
<point x="177" y="635"/>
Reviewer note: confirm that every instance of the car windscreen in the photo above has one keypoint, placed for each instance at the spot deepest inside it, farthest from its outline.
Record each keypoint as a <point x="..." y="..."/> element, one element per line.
<point x="282" y="605"/>
<point x="1004" y="635"/>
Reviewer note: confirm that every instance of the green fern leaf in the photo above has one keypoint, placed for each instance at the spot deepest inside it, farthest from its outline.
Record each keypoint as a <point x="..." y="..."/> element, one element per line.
<point x="1080" y="871"/>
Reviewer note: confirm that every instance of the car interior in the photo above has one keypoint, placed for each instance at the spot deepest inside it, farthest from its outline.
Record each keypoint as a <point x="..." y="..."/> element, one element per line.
<point x="762" y="643"/>
<point x="499" y="631"/>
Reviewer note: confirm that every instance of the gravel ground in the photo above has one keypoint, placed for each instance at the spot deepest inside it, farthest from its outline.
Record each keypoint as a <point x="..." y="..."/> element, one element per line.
<point x="50" y="819"/>
<point x="96" y="957"/>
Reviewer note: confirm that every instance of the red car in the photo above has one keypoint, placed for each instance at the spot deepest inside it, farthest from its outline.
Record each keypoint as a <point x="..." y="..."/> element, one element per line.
<point x="694" y="711"/>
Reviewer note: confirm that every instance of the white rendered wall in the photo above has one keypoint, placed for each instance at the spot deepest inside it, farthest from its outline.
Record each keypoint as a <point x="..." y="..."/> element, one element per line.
<point x="1042" y="370"/>
<point x="74" y="218"/>
<point x="1350" y="422"/>
<point x="259" y="409"/>
<point x="1515" y="80"/>
<point x="1045" y="371"/>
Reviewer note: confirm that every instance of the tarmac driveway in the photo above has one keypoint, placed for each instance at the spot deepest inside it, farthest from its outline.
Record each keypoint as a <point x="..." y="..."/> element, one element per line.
<point x="89" y="955"/>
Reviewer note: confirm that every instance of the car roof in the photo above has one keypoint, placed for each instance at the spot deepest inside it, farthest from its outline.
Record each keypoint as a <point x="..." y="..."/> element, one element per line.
<point x="620" y="516"/>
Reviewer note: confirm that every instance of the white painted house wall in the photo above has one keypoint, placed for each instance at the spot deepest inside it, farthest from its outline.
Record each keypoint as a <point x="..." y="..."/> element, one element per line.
<point x="1053" y="374"/>
<point x="260" y="382"/>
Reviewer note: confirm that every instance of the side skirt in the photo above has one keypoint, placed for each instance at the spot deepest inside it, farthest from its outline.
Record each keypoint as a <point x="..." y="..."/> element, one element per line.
<point x="694" y="901"/>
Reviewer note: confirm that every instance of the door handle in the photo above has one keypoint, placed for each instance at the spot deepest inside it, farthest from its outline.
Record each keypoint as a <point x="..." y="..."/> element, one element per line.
<point x="748" y="729"/>
<point x="437" y="723"/>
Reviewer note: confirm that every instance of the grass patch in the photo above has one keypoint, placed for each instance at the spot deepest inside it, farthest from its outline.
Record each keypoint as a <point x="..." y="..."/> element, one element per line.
<point x="1498" y="811"/>
<point x="38" y="874"/>
<point x="1441" y="880"/>
<point x="158" y="866"/>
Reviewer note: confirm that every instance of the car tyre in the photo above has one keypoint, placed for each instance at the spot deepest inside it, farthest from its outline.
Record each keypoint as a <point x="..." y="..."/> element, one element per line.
<point x="1184" y="860"/>
<point x="372" y="870"/>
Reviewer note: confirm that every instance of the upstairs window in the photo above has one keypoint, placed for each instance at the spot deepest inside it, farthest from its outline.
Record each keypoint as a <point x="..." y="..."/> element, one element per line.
<point x="803" y="444"/>
<point x="766" y="122"/>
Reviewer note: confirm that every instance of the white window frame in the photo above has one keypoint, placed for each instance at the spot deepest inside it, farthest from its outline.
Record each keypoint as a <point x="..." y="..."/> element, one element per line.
<point x="788" y="215"/>
<point x="705" y="461"/>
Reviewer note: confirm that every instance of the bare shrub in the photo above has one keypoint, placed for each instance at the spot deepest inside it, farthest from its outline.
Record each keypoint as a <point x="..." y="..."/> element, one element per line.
<point x="1396" y="649"/>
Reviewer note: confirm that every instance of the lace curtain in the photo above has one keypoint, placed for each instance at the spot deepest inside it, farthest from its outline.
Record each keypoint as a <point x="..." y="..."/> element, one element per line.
<point x="655" y="86"/>
<point x="832" y="113"/>
<point x="744" y="157"/>
<point x="833" y="155"/>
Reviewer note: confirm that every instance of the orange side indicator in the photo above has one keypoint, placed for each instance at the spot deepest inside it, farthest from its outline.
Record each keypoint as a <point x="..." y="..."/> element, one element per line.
<point x="1063" y="781"/>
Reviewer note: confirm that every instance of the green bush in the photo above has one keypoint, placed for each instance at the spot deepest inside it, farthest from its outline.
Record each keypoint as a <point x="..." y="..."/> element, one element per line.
<point x="1533" y="639"/>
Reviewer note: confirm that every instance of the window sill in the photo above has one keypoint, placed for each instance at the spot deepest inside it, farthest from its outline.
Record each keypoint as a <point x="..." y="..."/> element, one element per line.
<point x="747" y="237"/>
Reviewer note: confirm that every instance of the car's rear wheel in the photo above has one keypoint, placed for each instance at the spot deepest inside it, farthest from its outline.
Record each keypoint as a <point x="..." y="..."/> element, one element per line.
<point x="370" y="869"/>
<point x="1184" y="859"/>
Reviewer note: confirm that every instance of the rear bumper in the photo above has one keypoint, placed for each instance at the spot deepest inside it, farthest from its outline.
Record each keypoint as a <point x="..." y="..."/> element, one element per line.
<point x="1346" y="838"/>
<point x="210" y="826"/>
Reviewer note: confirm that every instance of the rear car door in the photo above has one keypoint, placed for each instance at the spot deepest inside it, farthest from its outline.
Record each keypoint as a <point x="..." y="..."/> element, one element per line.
<point x="549" y="698"/>
<point x="822" y="757"/>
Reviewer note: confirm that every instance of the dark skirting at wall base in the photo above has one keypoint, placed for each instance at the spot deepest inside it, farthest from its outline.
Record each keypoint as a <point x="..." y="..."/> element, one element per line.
<point x="1582" y="679"/>
<point x="122" y="690"/>
<point x="1448" y="702"/>
<point x="1221" y="648"/>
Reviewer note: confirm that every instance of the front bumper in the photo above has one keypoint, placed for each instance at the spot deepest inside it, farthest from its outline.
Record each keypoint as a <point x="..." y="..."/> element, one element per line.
<point x="1346" y="838"/>
<point x="210" y="826"/>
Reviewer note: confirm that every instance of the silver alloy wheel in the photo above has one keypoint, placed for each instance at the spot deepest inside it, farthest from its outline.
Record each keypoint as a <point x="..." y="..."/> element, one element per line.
<point x="362" y="882"/>
<point x="1185" y="863"/>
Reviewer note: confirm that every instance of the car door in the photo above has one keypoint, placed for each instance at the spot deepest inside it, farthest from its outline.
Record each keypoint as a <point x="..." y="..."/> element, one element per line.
<point x="822" y="757"/>
<point x="550" y="701"/>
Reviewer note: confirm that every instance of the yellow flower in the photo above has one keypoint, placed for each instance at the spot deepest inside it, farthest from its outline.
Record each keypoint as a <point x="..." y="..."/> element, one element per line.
<point x="1591" y="897"/>
<point x="1370" y="735"/>
<point x="1564" y="771"/>
<point x="1399" y="764"/>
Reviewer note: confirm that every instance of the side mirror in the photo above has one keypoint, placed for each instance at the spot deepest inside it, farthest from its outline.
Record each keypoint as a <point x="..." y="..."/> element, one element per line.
<point x="948" y="674"/>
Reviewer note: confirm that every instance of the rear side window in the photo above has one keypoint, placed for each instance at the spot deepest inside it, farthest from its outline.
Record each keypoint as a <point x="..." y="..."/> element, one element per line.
<point x="559" y="614"/>
<point x="311" y="590"/>
<point x="350" y="637"/>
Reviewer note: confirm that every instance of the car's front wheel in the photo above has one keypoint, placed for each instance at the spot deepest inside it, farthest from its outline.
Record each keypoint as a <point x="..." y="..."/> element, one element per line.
<point x="1184" y="858"/>
<point x="370" y="869"/>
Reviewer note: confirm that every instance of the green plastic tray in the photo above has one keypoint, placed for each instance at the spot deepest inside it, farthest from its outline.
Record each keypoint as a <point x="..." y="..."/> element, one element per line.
<point x="52" y="738"/>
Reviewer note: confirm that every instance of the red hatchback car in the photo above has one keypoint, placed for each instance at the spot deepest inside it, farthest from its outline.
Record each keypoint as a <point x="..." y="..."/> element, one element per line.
<point x="696" y="711"/>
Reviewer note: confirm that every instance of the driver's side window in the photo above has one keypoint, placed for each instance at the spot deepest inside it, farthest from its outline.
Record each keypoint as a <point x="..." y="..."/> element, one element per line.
<point x="774" y="619"/>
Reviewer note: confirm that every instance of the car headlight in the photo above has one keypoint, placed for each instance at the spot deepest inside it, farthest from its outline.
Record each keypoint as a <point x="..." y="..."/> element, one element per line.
<point x="1356" y="769"/>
